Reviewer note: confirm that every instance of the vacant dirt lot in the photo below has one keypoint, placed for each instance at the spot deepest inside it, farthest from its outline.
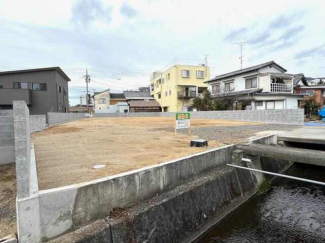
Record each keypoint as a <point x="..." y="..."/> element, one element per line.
<point x="66" y="154"/>
<point x="7" y="200"/>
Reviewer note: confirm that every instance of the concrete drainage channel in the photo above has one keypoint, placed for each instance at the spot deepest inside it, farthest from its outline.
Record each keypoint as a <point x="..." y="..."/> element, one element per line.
<point x="175" y="201"/>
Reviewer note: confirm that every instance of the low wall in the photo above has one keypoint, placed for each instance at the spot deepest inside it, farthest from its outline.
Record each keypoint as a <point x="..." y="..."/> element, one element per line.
<point x="183" y="213"/>
<point x="37" y="123"/>
<point x="290" y="116"/>
<point x="54" y="118"/>
<point x="7" y="154"/>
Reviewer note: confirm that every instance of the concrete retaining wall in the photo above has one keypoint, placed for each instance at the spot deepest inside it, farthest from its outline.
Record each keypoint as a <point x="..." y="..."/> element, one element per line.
<point x="290" y="116"/>
<point x="183" y="213"/>
<point x="174" y="199"/>
<point x="37" y="123"/>
<point x="7" y="154"/>
<point x="54" y="118"/>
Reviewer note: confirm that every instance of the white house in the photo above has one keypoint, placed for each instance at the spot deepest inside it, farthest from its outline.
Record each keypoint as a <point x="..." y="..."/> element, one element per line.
<point x="264" y="86"/>
<point x="101" y="100"/>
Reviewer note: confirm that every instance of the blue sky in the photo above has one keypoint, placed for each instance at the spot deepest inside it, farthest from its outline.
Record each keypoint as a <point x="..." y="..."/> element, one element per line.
<point x="122" y="42"/>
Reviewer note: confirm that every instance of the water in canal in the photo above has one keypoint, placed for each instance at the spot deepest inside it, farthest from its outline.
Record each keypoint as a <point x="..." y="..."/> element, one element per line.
<point x="292" y="211"/>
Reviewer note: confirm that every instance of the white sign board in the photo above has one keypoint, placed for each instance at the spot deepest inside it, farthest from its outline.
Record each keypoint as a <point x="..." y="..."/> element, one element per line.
<point x="182" y="124"/>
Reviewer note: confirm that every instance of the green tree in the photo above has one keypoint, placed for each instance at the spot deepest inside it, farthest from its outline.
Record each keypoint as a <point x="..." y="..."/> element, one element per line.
<point x="312" y="106"/>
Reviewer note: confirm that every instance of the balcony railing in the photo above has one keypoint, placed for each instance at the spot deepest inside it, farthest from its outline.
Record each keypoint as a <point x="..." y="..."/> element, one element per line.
<point x="281" y="88"/>
<point x="186" y="94"/>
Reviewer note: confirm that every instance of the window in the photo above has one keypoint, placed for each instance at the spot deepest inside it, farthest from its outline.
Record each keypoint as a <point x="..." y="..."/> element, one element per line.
<point x="258" y="103"/>
<point x="59" y="88"/>
<point x="1" y="87"/>
<point x="166" y="93"/>
<point x="65" y="91"/>
<point x="163" y="80"/>
<point x="102" y="101"/>
<point x="159" y="95"/>
<point x="270" y="105"/>
<point x="168" y="76"/>
<point x="152" y="87"/>
<point x="185" y="73"/>
<point x="19" y="85"/>
<point x="251" y="83"/>
<point x="216" y="89"/>
<point x="199" y="74"/>
<point x="307" y="92"/>
<point x="229" y="86"/>
<point x="39" y="86"/>
<point x="170" y="92"/>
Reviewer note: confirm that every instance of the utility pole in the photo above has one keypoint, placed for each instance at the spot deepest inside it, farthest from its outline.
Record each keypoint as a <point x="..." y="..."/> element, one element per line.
<point x="87" y="79"/>
<point x="241" y="43"/>
<point x="206" y="60"/>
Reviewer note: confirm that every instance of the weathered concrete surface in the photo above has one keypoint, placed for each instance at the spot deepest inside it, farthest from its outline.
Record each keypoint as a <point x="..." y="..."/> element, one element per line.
<point x="305" y="156"/>
<point x="7" y="154"/>
<point x="22" y="147"/>
<point x="312" y="135"/>
<point x="290" y="116"/>
<point x="54" y="118"/>
<point x="98" y="232"/>
<point x="70" y="207"/>
<point x="37" y="123"/>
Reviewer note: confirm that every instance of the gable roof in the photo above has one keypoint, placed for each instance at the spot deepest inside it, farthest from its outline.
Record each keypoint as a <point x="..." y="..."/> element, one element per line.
<point x="143" y="103"/>
<point x="97" y="93"/>
<point x="117" y="96"/>
<point x="58" y="69"/>
<point x="246" y="70"/>
<point x="137" y="95"/>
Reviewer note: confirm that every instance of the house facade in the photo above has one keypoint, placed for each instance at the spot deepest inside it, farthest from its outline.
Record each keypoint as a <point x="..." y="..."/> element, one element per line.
<point x="101" y="100"/>
<point x="318" y="90"/>
<point x="141" y="101"/>
<point x="175" y="88"/>
<point x="43" y="89"/>
<point x="262" y="87"/>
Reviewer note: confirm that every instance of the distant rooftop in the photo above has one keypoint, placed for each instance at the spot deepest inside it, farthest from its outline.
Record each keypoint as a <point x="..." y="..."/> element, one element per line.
<point x="58" y="69"/>
<point x="143" y="103"/>
<point x="117" y="96"/>
<point x="137" y="95"/>
<point x="246" y="70"/>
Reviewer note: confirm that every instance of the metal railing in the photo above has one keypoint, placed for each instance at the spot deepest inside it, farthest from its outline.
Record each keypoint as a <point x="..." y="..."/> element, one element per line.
<point x="281" y="88"/>
<point x="186" y="94"/>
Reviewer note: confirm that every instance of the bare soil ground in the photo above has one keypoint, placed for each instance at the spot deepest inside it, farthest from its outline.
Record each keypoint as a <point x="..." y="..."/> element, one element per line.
<point x="7" y="200"/>
<point x="66" y="153"/>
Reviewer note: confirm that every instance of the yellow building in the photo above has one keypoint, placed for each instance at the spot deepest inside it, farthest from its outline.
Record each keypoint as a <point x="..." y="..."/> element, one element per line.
<point x="176" y="87"/>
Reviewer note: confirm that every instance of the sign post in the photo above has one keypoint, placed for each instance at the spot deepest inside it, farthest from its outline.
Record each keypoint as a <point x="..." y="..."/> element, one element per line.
<point x="183" y="121"/>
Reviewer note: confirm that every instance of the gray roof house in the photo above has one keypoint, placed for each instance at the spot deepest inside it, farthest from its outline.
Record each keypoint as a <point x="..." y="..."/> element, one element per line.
<point x="141" y="101"/>
<point x="43" y="89"/>
<point x="263" y="86"/>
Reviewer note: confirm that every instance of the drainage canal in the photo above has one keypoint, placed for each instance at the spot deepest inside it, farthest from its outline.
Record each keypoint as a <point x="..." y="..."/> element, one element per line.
<point x="291" y="211"/>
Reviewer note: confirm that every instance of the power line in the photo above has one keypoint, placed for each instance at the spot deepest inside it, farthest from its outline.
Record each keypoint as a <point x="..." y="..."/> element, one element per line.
<point x="304" y="53"/>
<point x="121" y="83"/>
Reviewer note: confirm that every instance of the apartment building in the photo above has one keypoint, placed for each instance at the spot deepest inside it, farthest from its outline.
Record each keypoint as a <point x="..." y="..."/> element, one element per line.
<point x="176" y="87"/>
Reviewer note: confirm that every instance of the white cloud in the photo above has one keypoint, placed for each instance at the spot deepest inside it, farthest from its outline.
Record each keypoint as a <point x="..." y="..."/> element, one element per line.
<point x="101" y="35"/>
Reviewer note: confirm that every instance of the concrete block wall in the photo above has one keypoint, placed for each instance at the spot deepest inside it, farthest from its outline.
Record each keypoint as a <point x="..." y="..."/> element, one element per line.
<point x="37" y="123"/>
<point x="290" y="116"/>
<point x="55" y="118"/>
<point x="7" y="144"/>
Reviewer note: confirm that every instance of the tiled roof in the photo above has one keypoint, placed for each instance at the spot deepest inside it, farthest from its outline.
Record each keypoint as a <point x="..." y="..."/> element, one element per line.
<point x="143" y="103"/>
<point x="117" y="96"/>
<point x="246" y="70"/>
<point x="136" y="94"/>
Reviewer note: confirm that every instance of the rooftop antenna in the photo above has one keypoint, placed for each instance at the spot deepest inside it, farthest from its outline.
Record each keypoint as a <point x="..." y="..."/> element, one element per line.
<point x="241" y="43"/>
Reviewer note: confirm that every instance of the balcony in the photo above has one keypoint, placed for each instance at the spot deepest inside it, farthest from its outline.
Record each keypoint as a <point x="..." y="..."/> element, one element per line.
<point x="7" y="96"/>
<point x="186" y="94"/>
<point x="281" y="88"/>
